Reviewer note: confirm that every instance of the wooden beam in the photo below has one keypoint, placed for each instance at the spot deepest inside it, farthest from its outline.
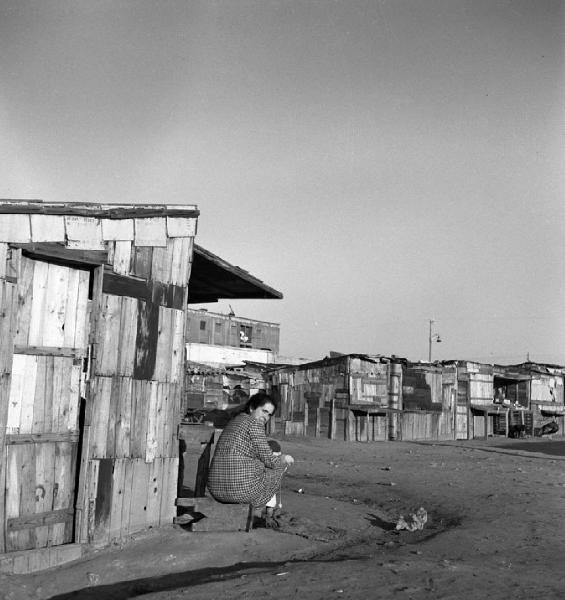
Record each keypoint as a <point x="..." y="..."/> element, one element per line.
<point x="162" y="294"/>
<point x="40" y="519"/>
<point x="106" y="211"/>
<point x="41" y="438"/>
<point x="76" y="353"/>
<point x="59" y="253"/>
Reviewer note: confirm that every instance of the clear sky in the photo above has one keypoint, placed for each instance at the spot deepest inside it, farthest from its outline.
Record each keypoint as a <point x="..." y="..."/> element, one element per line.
<point x="381" y="163"/>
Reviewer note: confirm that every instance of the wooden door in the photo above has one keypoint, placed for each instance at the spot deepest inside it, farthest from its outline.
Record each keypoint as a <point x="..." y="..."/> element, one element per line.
<point x="42" y="433"/>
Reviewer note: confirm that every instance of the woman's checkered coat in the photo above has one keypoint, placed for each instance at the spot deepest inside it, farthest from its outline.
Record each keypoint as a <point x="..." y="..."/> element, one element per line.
<point x="244" y="469"/>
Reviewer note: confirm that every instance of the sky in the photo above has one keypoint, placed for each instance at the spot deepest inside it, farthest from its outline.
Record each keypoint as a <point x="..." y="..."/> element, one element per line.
<point x="381" y="163"/>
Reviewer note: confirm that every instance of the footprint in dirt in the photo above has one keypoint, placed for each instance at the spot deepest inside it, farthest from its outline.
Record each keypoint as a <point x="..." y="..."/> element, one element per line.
<point x="308" y="529"/>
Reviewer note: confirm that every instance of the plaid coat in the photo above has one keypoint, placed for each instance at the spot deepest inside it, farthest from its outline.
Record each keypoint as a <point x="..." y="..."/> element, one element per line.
<point x="244" y="469"/>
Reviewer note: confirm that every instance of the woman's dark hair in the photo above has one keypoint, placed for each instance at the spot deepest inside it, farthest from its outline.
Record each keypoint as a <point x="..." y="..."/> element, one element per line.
<point x="259" y="399"/>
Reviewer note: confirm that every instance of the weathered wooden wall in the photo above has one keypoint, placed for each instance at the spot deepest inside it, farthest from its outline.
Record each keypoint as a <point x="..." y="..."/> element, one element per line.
<point x="9" y="267"/>
<point x="135" y="387"/>
<point x="92" y="305"/>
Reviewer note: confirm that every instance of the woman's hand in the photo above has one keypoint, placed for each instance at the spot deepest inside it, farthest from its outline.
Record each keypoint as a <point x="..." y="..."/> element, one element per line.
<point x="287" y="459"/>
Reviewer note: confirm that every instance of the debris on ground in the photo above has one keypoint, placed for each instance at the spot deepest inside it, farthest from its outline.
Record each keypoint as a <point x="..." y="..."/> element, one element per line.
<point x="415" y="522"/>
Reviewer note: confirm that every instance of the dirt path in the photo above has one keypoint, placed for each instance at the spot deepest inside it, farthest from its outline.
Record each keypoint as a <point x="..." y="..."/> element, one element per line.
<point x="494" y="529"/>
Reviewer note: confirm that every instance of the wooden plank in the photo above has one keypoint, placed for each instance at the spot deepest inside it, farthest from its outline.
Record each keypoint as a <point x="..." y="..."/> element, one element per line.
<point x="39" y="300"/>
<point x="47" y="228"/>
<point x="26" y="465"/>
<point x="44" y="480"/>
<point x="3" y="258"/>
<point x="153" y="422"/>
<point x="113" y="408"/>
<point x="60" y="396"/>
<point x="72" y="421"/>
<point x="69" y="352"/>
<point x="71" y="303"/>
<point x="117" y="229"/>
<point x="177" y="346"/>
<point x="116" y="511"/>
<point x="122" y="257"/>
<point x="139" y="418"/>
<point x="15" y="228"/>
<point x="150" y="232"/>
<point x="161" y="263"/>
<point x="88" y="529"/>
<point x="38" y="422"/>
<point x="55" y="306"/>
<point x="28" y="392"/>
<point x="106" y="211"/>
<point x="82" y="313"/>
<point x="122" y="387"/>
<point x="176" y="413"/>
<point x="178" y="227"/>
<point x="40" y="519"/>
<point x="166" y="391"/>
<point x="102" y="507"/>
<point x="189" y="261"/>
<point x="81" y="505"/>
<point x="178" y="260"/>
<point x="48" y="391"/>
<point x="138" y="503"/>
<point x="25" y="299"/>
<point x="84" y="233"/>
<point x="141" y="261"/>
<point x="169" y="490"/>
<point x="127" y="491"/>
<point x="164" y="345"/>
<point x="127" y="337"/>
<point x="146" y="340"/>
<point x="12" y="495"/>
<point x="100" y="400"/>
<point x="153" y="502"/>
<point x="107" y="342"/>
<point x="63" y="493"/>
<point x="42" y="438"/>
<point x="16" y="394"/>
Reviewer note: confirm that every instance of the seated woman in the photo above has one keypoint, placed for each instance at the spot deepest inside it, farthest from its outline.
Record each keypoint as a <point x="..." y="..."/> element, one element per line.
<point x="244" y="468"/>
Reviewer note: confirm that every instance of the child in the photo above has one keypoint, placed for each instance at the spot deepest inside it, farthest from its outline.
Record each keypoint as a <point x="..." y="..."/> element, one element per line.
<point x="273" y="503"/>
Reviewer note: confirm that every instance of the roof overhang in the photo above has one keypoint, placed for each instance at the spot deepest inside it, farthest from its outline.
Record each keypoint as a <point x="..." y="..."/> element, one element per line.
<point x="212" y="278"/>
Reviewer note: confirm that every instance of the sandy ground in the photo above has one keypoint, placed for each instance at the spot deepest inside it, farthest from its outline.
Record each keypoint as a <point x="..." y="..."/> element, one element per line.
<point x="495" y="529"/>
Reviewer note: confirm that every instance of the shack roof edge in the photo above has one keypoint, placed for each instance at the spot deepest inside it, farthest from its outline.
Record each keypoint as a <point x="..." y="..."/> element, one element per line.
<point x="91" y="209"/>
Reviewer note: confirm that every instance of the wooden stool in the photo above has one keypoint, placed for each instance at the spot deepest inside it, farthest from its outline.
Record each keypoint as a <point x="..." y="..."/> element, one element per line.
<point x="206" y="514"/>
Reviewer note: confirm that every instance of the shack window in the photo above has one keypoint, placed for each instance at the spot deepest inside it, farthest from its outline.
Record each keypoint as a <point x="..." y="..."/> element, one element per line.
<point x="202" y="325"/>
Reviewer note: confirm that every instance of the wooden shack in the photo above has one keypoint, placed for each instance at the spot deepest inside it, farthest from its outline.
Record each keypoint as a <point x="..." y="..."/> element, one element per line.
<point x="536" y="388"/>
<point x="92" y="316"/>
<point x="344" y="396"/>
<point x="428" y="402"/>
<point x="93" y="303"/>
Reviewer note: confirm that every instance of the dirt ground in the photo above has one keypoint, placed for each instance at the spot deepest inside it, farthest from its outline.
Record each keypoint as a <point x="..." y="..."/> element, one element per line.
<point x="495" y="529"/>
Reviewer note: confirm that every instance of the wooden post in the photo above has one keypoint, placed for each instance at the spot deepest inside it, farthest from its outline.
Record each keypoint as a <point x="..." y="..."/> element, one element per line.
<point x="8" y="313"/>
<point x="350" y="427"/>
<point x="368" y="427"/>
<point x="306" y="418"/>
<point x="394" y="400"/>
<point x="318" y="421"/>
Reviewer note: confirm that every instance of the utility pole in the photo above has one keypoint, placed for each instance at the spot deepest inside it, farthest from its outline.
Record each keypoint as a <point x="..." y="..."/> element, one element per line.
<point x="432" y="337"/>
